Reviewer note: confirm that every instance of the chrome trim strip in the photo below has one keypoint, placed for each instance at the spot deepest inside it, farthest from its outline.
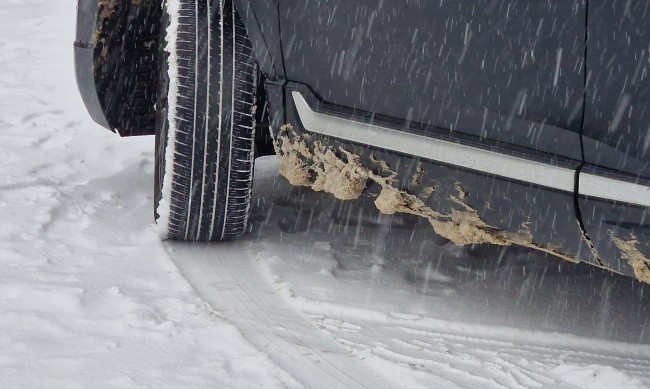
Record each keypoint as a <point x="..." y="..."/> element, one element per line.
<point x="473" y="158"/>
<point x="613" y="189"/>
<point x="435" y="149"/>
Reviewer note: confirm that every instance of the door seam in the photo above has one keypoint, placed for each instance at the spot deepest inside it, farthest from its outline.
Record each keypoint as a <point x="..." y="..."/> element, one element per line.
<point x="576" y="188"/>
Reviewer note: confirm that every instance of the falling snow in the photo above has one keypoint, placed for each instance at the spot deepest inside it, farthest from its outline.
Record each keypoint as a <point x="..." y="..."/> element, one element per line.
<point x="320" y="293"/>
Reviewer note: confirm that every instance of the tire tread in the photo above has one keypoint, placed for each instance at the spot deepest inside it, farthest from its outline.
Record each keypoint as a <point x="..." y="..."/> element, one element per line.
<point x="213" y="160"/>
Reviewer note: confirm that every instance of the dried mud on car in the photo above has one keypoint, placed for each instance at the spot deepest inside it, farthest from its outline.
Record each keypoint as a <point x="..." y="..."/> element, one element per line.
<point x="307" y="162"/>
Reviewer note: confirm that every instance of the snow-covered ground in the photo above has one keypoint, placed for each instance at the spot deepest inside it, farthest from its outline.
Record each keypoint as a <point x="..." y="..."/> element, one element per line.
<point x="319" y="294"/>
<point x="89" y="297"/>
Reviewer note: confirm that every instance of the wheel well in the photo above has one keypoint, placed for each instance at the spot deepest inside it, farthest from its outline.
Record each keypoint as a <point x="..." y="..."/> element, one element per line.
<point x="125" y="56"/>
<point x="263" y="139"/>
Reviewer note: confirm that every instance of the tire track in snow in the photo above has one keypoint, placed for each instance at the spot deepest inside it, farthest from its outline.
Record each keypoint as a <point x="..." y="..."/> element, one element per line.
<point x="285" y="288"/>
<point x="234" y="287"/>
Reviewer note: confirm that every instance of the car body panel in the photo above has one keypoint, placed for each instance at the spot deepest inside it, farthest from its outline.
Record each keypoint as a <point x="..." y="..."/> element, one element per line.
<point x="616" y="133"/>
<point x="503" y="70"/>
<point x="463" y="205"/>
<point x="620" y="234"/>
<point x="262" y="24"/>
<point x="617" y="110"/>
<point x="84" y="46"/>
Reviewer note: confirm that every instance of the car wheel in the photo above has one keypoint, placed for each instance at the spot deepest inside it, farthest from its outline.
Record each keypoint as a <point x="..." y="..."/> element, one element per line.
<point x="205" y="120"/>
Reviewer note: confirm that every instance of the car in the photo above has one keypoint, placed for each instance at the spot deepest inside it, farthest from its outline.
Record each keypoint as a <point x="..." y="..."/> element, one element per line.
<point x="499" y="122"/>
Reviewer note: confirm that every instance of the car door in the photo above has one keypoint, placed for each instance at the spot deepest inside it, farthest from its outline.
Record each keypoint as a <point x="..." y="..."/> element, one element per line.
<point x="502" y="75"/>
<point x="617" y="131"/>
<point x="503" y="70"/>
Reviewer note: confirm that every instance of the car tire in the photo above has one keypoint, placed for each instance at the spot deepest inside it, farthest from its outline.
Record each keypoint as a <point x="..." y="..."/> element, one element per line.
<point x="205" y="120"/>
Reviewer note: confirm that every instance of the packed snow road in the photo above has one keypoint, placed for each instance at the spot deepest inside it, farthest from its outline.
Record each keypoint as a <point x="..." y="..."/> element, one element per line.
<point x="320" y="293"/>
<point x="372" y="293"/>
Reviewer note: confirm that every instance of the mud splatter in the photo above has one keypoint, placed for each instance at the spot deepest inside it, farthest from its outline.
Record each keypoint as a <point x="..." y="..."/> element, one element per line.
<point x="345" y="179"/>
<point x="295" y="170"/>
<point x="319" y="168"/>
<point x="428" y="191"/>
<point x="592" y="247"/>
<point x="292" y="166"/>
<point x="383" y="166"/>
<point x="634" y="257"/>
<point x="343" y="174"/>
<point x="416" y="179"/>
<point x="106" y="10"/>
<point x="107" y="7"/>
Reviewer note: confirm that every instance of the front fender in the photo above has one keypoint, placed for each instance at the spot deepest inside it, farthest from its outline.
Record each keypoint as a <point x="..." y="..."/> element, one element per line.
<point x="262" y="26"/>
<point x="84" y="45"/>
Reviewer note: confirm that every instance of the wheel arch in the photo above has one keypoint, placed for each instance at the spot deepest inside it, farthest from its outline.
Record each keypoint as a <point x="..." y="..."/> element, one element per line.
<point x="123" y="45"/>
<point x="116" y="50"/>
